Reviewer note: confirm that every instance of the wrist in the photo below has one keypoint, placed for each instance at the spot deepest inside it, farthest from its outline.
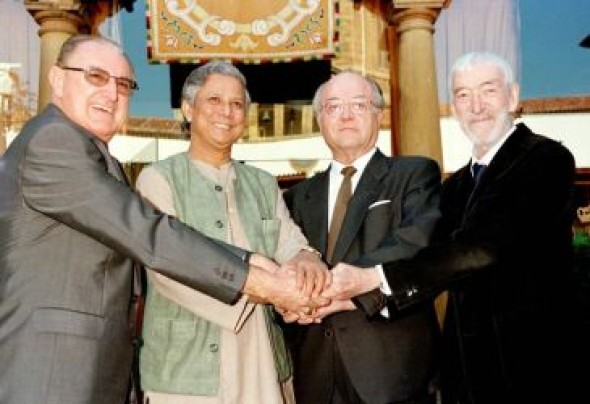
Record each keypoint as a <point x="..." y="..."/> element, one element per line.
<point x="311" y="250"/>
<point x="246" y="257"/>
<point x="254" y="287"/>
<point x="372" y="279"/>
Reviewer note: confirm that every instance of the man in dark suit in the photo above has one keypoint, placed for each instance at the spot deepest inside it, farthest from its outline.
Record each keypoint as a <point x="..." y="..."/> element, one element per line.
<point x="507" y="331"/>
<point x="71" y="230"/>
<point x="363" y="354"/>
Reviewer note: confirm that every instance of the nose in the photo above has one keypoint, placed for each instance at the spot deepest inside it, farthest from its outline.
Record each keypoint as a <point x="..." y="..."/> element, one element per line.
<point x="476" y="103"/>
<point x="346" y="111"/>
<point x="111" y="88"/>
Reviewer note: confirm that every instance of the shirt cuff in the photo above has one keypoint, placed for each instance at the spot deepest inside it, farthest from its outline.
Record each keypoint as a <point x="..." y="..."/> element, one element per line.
<point x="384" y="287"/>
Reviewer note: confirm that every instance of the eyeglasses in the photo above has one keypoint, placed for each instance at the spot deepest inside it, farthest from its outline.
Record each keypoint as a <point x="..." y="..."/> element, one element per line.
<point x="357" y="107"/>
<point x="100" y="78"/>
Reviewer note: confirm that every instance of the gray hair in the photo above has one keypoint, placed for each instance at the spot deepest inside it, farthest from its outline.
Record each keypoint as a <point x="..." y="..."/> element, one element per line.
<point x="197" y="78"/>
<point x="376" y="92"/>
<point x="70" y="46"/>
<point x="473" y="59"/>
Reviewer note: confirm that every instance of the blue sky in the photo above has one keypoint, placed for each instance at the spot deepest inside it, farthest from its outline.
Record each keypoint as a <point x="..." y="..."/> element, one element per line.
<point x="553" y="64"/>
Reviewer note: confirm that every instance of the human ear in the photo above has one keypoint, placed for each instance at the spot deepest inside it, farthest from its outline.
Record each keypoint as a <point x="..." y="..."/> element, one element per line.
<point x="187" y="111"/>
<point x="514" y="97"/>
<point x="56" y="81"/>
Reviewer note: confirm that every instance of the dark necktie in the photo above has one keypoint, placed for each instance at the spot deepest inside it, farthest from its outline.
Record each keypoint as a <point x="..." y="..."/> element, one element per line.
<point x="340" y="209"/>
<point x="478" y="170"/>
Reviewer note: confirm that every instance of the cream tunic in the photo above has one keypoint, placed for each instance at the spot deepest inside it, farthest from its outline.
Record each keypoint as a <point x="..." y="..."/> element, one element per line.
<point x="247" y="370"/>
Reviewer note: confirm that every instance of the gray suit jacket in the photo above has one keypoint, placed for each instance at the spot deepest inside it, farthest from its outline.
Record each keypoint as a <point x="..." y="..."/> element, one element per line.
<point x="70" y="232"/>
<point x="391" y="215"/>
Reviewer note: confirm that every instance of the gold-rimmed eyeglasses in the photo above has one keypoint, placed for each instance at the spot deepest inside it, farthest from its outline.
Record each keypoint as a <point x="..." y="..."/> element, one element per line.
<point x="100" y="78"/>
<point x="357" y="107"/>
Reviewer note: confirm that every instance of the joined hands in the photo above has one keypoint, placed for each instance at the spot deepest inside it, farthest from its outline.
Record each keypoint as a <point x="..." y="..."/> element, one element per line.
<point x="303" y="290"/>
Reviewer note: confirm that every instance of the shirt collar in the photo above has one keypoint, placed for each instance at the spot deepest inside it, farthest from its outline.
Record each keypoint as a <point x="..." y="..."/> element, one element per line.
<point x="360" y="163"/>
<point x="489" y="156"/>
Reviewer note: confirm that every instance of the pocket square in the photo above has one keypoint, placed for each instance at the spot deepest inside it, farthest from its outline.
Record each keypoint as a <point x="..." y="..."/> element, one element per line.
<point x="380" y="202"/>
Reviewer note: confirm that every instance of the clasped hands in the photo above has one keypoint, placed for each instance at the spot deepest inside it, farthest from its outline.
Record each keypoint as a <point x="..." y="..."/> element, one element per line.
<point x="303" y="290"/>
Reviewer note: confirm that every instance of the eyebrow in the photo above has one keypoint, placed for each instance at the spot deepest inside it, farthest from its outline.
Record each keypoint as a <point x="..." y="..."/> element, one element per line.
<point x="336" y="98"/>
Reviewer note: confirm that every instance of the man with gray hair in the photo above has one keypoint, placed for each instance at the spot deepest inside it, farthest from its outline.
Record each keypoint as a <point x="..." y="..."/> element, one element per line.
<point x="505" y="329"/>
<point x="197" y="349"/>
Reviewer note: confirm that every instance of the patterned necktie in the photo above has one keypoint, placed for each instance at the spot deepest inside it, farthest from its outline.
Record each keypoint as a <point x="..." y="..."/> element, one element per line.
<point x="340" y="209"/>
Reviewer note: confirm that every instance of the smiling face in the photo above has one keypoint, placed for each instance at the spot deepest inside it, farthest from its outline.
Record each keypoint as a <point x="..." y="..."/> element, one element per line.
<point x="100" y="110"/>
<point x="348" y="119"/>
<point x="483" y="103"/>
<point x="217" y="117"/>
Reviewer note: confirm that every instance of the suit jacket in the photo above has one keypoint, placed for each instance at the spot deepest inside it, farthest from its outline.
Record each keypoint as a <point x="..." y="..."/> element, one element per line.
<point x="70" y="232"/>
<point x="385" y="360"/>
<point x="504" y="330"/>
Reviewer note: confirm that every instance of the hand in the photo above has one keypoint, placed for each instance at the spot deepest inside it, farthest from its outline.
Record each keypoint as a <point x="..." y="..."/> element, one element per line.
<point x="318" y="314"/>
<point x="263" y="262"/>
<point x="349" y="281"/>
<point x="312" y="273"/>
<point x="334" y="307"/>
<point x="279" y="288"/>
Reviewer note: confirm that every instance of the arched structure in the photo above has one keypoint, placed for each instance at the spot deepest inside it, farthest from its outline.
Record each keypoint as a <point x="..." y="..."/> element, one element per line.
<point x="389" y="40"/>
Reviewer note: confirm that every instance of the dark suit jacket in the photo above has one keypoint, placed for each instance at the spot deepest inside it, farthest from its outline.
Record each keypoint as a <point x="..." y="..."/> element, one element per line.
<point x="504" y="329"/>
<point x="386" y="360"/>
<point x="69" y="235"/>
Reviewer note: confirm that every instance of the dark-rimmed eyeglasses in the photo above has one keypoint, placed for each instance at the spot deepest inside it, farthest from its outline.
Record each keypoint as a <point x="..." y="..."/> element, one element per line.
<point x="357" y="107"/>
<point x="100" y="78"/>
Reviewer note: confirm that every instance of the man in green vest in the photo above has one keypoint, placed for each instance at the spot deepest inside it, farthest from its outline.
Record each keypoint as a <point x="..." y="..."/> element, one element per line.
<point x="193" y="342"/>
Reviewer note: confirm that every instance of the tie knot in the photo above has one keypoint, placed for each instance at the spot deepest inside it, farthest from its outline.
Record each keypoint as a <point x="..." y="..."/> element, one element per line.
<point x="478" y="170"/>
<point x="348" y="171"/>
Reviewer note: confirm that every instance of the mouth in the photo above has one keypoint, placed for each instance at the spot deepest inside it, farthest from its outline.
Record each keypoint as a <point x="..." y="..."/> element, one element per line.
<point x="220" y="125"/>
<point x="103" y="108"/>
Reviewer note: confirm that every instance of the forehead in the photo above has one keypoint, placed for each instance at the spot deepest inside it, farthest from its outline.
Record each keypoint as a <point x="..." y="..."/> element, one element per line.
<point x="103" y="55"/>
<point x="223" y="83"/>
<point x="477" y="75"/>
<point x="346" y="85"/>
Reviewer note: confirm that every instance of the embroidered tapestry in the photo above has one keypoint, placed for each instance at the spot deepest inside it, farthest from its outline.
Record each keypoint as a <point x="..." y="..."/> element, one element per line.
<point x="246" y="31"/>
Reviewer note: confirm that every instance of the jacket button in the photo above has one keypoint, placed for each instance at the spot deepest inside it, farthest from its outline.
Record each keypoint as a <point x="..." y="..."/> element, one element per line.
<point x="218" y="188"/>
<point x="219" y="224"/>
<point x="328" y="333"/>
<point x="213" y="347"/>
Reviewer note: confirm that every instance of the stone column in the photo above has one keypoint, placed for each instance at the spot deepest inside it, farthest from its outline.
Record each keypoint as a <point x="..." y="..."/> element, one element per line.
<point x="57" y="22"/>
<point x="417" y="89"/>
<point x="419" y="116"/>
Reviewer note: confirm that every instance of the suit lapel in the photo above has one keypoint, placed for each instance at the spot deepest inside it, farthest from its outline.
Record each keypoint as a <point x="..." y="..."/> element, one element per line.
<point x="113" y="166"/>
<point x="508" y="156"/>
<point x="365" y="194"/>
<point x="315" y="205"/>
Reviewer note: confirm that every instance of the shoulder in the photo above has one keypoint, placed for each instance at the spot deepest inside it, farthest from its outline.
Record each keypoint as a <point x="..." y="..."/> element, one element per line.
<point x="148" y="176"/>
<point x="310" y="183"/>
<point x="544" y="146"/>
<point x="249" y="171"/>
<point x="52" y="126"/>
<point x="169" y="161"/>
<point x="411" y="167"/>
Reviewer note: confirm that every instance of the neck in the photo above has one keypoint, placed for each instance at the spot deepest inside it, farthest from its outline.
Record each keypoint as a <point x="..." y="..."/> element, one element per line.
<point x="216" y="158"/>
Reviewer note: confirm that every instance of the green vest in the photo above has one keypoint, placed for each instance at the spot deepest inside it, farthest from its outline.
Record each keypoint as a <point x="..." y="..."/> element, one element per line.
<point x="181" y="351"/>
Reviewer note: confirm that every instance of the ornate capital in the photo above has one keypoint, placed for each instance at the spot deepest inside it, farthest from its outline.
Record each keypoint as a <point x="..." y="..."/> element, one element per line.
<point x="435" y="4"/>
<point x="57" y="15"/>
<point x="410" y="14"/>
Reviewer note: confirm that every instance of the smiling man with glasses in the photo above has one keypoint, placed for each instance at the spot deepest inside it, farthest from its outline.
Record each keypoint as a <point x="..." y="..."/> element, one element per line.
<point x="72" y="232"/>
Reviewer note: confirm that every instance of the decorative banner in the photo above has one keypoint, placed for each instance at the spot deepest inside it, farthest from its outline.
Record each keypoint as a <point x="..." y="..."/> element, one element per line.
<point x="246" y="31"/>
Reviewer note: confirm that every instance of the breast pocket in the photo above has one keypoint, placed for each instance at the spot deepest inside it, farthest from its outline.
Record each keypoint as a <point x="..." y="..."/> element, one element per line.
<point x="61" y="321"/>
<point x="377" y="224"/>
